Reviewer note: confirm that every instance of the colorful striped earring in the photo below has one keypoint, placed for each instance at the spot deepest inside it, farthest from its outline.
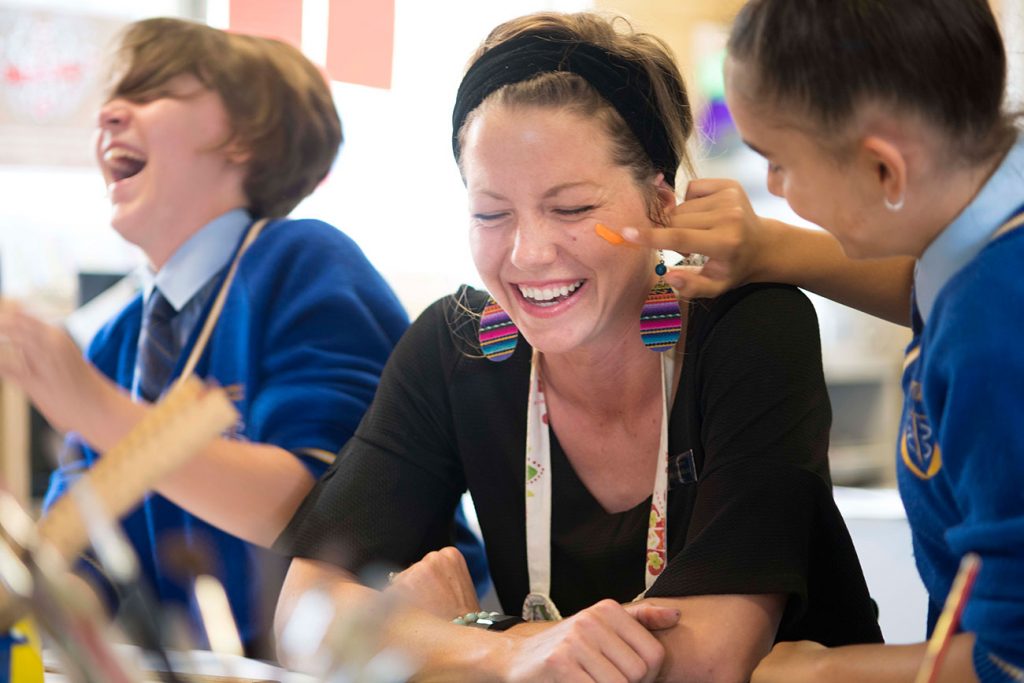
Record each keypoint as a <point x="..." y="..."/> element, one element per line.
<point x="660" y="319"/>
<point x="498" y="334"/>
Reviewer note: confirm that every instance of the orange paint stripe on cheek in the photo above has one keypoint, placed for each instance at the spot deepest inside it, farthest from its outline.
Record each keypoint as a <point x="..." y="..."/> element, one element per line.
<point x="607" y="234"/>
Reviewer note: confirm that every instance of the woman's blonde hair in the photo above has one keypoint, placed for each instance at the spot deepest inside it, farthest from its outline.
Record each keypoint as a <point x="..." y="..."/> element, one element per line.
<point x="566" y="90"/>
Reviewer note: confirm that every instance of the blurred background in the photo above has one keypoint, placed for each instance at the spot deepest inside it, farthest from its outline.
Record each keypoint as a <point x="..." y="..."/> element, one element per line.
<point x="395" y="66"/>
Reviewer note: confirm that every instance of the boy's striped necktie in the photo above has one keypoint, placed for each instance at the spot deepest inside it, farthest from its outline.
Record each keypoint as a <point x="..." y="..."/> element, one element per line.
<point x="158" y="349"/>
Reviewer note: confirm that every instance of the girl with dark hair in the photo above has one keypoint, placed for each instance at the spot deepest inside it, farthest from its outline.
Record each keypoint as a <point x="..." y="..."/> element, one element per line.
<point x="883" y="122"/>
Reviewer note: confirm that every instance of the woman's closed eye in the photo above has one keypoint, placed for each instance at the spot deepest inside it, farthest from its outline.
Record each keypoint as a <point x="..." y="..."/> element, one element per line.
<point x="490" y="217"/>
<point x="576" y="211"/>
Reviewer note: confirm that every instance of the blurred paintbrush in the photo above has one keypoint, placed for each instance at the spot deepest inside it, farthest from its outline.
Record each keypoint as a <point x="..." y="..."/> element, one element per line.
<point x="173" y="431"/>
<point x="948" y="621"/>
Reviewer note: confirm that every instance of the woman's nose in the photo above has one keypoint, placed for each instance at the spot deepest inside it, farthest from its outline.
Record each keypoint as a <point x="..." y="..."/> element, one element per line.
<point x="534" y="245"/>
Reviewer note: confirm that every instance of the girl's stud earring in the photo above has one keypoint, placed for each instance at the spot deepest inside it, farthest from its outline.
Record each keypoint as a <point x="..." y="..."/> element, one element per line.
<point x="893" y="206"/>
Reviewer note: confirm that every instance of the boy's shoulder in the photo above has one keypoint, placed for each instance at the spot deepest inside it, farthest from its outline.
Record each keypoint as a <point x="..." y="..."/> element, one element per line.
<point x="301" y="233"/>
<point x="308" y="257"/>
<point x="305" y="244"/>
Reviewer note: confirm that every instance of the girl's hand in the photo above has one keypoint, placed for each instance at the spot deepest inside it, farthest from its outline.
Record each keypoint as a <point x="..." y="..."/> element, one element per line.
<point x="715" y="220"/>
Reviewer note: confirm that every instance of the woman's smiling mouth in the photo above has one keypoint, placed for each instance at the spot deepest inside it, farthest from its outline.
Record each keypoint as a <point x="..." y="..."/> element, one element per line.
<point x="549" y="295"/>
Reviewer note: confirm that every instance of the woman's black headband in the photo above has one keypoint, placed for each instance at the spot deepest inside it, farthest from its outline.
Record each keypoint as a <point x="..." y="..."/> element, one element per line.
<point x="625" y="85"/>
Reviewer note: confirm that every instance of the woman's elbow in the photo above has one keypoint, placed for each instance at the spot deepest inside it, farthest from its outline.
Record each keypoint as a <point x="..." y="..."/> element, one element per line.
<point x="294" y="586"/>
<point x="294" y="619"/>
<point x="307" y="606"/>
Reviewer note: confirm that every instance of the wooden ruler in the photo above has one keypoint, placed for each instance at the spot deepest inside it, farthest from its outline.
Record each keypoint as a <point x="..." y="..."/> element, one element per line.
<point x="175" y="429"/>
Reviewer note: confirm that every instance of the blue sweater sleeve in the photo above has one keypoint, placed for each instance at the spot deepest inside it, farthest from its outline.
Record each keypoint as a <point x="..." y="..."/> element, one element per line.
<point x="330" y="321"/>
<point x="976" y="389"/>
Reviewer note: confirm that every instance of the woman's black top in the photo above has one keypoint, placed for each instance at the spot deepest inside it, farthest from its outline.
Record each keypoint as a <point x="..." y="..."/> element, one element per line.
<point x="750" y="507"/>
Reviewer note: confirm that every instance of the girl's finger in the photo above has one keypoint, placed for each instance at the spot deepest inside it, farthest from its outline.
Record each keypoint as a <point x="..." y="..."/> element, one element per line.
<point x="712" y="202"/>
<point x="702" y="187"/>
<point x="689" y="283"/>
<point x="681" y="240"/>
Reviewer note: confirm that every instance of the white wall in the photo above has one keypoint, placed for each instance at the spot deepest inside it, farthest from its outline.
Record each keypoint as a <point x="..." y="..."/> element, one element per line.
<point x="54" y="220"/>
<point x="1011" y="17"/>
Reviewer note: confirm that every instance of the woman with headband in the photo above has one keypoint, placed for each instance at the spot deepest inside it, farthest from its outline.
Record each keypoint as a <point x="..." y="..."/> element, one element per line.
<point x="650" y="478"/>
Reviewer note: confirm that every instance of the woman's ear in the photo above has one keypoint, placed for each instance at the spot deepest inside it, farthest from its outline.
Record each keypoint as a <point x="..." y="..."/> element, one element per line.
<point x="666" y="194"/>
<point x="888" y="167"/>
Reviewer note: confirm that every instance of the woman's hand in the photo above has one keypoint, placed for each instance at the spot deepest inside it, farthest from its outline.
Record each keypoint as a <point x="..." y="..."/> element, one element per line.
<point x="605" y="642"/>
<point x="790" y="663"/>
<point x="439" y="584"/>
<point x="715" y="220"/>
<point x="44" y="361"/>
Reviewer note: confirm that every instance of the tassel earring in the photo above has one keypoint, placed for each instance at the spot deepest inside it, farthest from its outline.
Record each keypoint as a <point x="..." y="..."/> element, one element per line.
<point x="498" y="334"/>
<point x="661" y="322"/>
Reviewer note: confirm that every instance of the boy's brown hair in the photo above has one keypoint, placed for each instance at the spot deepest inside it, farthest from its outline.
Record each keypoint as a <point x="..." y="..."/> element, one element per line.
<point x="279" y="106"/>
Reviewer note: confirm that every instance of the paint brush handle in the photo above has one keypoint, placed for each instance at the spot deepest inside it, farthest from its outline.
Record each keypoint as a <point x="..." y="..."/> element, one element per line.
<point x="948" y="621"/>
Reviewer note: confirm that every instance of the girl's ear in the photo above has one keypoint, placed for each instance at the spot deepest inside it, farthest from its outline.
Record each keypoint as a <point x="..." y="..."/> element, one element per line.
<point x="889" y="168"/>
